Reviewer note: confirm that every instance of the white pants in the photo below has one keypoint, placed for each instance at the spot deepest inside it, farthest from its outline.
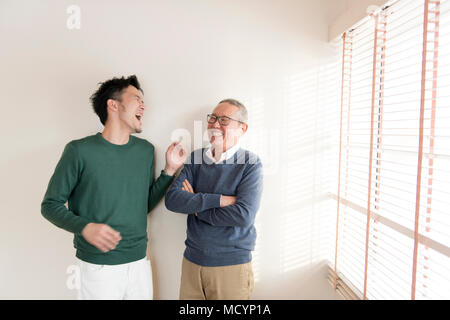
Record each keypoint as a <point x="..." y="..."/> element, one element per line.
<point x="129" y="281"/>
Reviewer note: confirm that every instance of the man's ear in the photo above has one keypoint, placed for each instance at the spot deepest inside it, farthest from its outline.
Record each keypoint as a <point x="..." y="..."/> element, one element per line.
<point x="244" y="127"/>
<point x="111" y="105"/>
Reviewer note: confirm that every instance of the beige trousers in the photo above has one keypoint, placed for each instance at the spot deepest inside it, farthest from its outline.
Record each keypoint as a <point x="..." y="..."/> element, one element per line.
<point x="216" y="283"/>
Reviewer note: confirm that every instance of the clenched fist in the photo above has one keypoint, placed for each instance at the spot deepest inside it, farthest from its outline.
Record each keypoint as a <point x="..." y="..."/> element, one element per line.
<point x="101" y="236"/>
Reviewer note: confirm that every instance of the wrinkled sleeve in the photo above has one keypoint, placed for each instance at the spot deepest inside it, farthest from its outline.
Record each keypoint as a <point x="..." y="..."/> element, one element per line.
<point x="62" y="182"/>
<point x="181" y="201"/>
<point x="248" y="198"/>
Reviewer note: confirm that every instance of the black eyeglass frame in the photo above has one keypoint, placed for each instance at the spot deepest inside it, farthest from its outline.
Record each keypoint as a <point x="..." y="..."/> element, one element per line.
<point x="209" y="116"/>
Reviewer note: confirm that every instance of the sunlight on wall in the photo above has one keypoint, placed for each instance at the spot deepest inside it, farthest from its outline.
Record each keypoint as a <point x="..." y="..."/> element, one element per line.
<point x="254" y="141"/>
<point x="311" y="132"/>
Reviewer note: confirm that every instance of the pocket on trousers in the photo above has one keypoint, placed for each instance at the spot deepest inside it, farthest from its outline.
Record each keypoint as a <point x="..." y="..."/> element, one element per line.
<point x="93" y="272"/>
<point x="148" y="269"/>
<point x="247" y="280"/>
<point x="251" y="280"/>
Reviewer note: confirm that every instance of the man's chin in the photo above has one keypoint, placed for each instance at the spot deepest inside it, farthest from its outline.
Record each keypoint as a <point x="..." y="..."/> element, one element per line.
<point x="216" y="144"/>
<point x="216" y="141"/>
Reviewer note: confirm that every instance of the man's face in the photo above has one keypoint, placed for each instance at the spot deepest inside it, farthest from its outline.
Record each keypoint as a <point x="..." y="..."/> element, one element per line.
<point x="224" y="137"/>
<point x="131" y="109"/>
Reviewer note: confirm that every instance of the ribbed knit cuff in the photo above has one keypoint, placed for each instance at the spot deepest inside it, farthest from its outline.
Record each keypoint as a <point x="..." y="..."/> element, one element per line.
<point x="212" y="200"/>
<point x="80" y="225"/>
<point x="164" y="174"/>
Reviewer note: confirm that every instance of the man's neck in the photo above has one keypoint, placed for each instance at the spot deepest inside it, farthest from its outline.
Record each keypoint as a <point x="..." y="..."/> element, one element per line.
<point x="217" y="151"/>
<point x="217" y="155"/>
<point x="115" y="134"/>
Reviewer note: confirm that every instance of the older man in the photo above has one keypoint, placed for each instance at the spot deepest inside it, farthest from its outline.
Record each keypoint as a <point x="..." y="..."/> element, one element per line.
<point x="219" y="189"/>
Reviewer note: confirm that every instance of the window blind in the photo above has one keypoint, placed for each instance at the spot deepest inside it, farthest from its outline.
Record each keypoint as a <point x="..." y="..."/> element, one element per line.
<point x="392" y="239"/>
<point x="433" y="223"/>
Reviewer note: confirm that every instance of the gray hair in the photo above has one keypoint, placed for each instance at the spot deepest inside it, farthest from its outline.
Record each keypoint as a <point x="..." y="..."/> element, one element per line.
<point x="243" y="114"/>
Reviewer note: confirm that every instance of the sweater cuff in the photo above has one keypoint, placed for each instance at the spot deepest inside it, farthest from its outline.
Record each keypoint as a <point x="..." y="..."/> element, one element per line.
<point x="212" y="200"/>
<point x="165" y="175"/>
<point x="80" y="225"/>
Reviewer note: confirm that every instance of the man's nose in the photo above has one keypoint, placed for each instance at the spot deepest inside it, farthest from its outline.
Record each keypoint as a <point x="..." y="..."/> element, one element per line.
<point x="216" y="124"/>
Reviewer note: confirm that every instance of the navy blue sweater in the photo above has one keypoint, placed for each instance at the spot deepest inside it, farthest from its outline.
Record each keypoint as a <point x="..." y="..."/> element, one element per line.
<point x="218" y="236"/>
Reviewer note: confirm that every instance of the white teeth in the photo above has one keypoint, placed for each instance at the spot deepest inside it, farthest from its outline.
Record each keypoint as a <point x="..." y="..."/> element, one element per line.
<point x="215" y="133"/>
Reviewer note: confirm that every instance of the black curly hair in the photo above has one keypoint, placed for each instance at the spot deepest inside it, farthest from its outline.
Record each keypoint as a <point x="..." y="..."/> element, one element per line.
<point x="111" y="89"/>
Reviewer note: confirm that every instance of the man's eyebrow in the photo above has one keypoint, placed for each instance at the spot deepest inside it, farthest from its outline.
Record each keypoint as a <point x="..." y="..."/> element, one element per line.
<point x="139" y="97"/>
<point x="213" y="114"/>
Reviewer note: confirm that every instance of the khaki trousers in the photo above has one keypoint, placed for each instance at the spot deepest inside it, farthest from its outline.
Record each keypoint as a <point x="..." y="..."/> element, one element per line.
<point x="216" y="283"/>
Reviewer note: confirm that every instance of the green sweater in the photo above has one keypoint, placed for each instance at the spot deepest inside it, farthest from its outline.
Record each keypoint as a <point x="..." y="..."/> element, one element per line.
<point x="105" y="183"/>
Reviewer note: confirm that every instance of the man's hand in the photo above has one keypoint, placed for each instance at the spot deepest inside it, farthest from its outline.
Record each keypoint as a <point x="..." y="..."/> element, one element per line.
<point x="175" y="157"/>
<point x="187" y="187"/>
<point x="101" y="236"/>
<point x="227" y="200"/>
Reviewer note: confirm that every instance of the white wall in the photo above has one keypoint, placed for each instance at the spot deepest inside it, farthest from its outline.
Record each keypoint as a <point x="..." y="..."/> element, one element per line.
<point x="188" y="55"/>
<point x="348" y="13"/>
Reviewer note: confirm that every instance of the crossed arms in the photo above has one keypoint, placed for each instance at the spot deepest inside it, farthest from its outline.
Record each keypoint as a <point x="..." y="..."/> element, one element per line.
<point x="216" y="209"/>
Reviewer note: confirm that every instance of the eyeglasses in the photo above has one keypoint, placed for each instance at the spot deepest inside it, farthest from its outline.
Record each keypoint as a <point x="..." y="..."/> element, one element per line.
<point x="223" y="120"/>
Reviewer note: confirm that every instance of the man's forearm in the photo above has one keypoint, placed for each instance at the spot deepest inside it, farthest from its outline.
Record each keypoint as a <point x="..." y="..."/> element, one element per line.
<point x="181" y="201"/>
<point x="236" y="215"/>
<point x="57" y="213"/>
<point x="61" y="184"/>
<point x="158" y="189"/>
<point x="242" y="213"/>
<point x="181" y="197"/>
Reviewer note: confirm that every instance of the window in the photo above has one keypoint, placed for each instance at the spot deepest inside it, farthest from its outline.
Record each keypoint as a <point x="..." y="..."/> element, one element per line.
<point x="393" y="193"/>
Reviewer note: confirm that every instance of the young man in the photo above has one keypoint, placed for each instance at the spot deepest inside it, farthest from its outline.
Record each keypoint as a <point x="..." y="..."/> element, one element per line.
<point x="220" y="190"/>
<point x="108" y="181"/>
